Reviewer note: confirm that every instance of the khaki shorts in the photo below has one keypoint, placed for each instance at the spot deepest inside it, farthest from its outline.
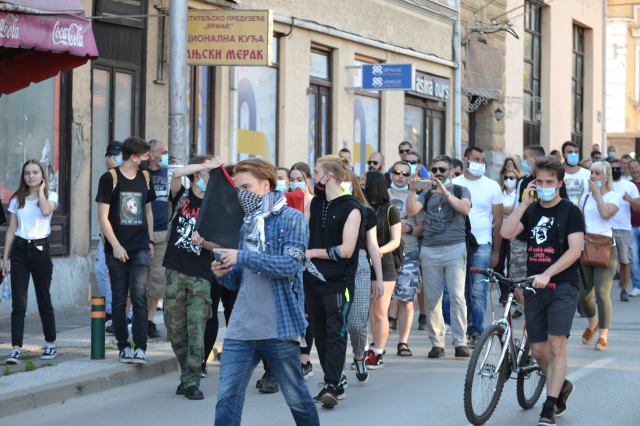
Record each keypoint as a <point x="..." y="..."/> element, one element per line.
<point x="623" y="243"/>
<point x="157" y="280"/>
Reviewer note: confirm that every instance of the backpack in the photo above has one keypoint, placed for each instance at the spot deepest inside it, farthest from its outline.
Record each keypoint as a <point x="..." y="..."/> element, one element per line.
<point x="398" y="254"/>
<point x="114" y="175"/>
<point x="469" y="238"/>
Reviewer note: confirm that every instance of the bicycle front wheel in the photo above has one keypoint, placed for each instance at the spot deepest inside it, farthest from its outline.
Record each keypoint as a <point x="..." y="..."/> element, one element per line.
<point x="531" y="382"/>
<point x="485" y="378"/>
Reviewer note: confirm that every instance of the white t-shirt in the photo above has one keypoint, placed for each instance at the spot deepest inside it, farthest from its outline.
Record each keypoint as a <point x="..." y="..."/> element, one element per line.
<point x="594" y="223"/>
<point x="32" y="225"/>
<point x="485" y="193"/>
<point x="508" y="199"/>
<point x="622" y="219"/>
<point x="577" y="185"/>
<point x="627" y="178"/>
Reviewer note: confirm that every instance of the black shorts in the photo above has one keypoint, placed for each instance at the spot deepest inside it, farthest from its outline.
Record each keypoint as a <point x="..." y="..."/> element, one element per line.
<point x="389" y="271"/>
<point x="550" y="311"/>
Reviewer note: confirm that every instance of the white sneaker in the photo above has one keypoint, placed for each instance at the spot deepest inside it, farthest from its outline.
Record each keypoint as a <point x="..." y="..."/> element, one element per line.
<point x="447" y="329"/>
<point x="635" y="292"/>
<point x="14" y="358"/>
<point x="139" y="357"/>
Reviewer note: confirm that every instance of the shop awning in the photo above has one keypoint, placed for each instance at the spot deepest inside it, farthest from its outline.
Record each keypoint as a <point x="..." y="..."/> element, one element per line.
<point x="40" y="38"/>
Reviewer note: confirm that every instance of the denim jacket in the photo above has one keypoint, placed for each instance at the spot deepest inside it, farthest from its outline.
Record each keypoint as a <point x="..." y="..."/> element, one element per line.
<point x="284" y="228"/>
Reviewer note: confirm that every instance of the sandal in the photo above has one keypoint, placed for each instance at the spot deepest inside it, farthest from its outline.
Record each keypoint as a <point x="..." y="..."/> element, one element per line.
<point x="403" y="350"/>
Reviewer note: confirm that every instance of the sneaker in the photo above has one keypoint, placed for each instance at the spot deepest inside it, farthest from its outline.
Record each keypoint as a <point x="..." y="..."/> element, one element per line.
<point x="374" y="361"/>
<point x="624" y="296"/>
<point x="436" y="352"/>
<point x="152" y="330"/>
<point x="49" y="353"/>
<point x="343" y="381"/>
<point x="310" y="367"/>
<point x="180" y="389"/>
<point x="269" y="383"/>
<point x="307" y="370"/>
<point x="139" y="357"/>
<point x="393" y="324"/>
<point x="203" y="370"/>
<point x="353" y="365"/>
<point x="547" y="416"/>
<point x="126" y="356"/>
<point x="328" y="396"/>
<point x="14" y="358"/>
<point x="462" y="352"/>
<point x="340" y="391"/>
<point x="567" y="391"/>
<point x="516" y="314"/>
<point x="473" y="339"/>
<point x="422" y="322"/>
<point x="447" y="329"/>
<point x="109" y="328"/>
<point x="160" y="305"/>
<point x="635" y="292"/>
<point x="192" y="392"/>
<point x="259" y="382"/>
<point x="362" y="375"/>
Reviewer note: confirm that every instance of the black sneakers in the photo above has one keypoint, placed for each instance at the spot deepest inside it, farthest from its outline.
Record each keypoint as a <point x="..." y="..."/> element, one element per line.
<point x="14" y="358"/>
<point x="180" y="390"/>
<point x="436" y="352"/>
<point x="393" y="324"/>
<point x="422" y="322"/>
<point x="473" y="339"/>
<point x="49" y="353"/>
<point x="203" y="372"/>
<point x="139" y="357"/>
<point x="567" y="391"/>
<point x="126" y="356"/>
<point x="152" y="330"/>
<point x="362" y="375"/>
<point x="547" y="416"/>
<point x="269" y="383"/>
<point x="624" y="296"/>
<point x="192" y="392"/>
<point x="328" y="396"/>
<point x="462" y="352"/>
<point x="343" y="381"/>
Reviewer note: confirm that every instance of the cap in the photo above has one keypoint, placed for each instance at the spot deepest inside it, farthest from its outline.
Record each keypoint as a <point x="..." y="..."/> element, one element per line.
<point x="114" y="148"/>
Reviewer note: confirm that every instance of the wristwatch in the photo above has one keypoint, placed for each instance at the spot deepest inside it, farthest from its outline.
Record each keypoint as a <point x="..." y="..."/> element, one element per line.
<point x="152" y="242"/>
<point x="410" y="229"/>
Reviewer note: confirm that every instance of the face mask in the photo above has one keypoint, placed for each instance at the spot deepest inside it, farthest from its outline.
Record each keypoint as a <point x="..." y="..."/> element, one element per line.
<point x="346" y="187"/>
<point x="526" y="166"/>
<point x="249" y="201"/>
<point x="281" y="186"/>
<point x="616" y="175"/>
<point x="546" y="194"/>
<point x="447" y="182"/>
<point x="297" y="185"/>
<point x="612" y="154"/>
<point x="510" y="183"/>
<point x="118" y="159"/>
<point x="144" y="165"/>
<point x="414" y="169"/>
<point x="573" y="159"/>
<point x="397" y="188"/>
<point x="165" y="161"/>
<point x="319" y="189"/>
<point x="201" y="184"/>
<point x="509" y="167"/>
<point x="599" y="184"/>
<point x="476" y="169"/>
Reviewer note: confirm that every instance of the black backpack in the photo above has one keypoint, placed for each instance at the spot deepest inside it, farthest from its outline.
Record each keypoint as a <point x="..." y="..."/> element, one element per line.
<point x="470" y="239"/>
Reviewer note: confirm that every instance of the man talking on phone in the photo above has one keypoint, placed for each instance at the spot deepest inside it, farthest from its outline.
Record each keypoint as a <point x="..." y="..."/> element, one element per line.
<point x="555" y="232"/>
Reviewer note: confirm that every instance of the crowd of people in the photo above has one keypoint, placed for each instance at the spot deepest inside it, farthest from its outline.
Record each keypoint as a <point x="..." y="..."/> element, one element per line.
<point x="348" y="260"/>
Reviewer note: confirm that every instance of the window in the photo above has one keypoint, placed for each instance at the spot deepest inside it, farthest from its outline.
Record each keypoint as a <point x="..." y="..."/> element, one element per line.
<point x="577" y="82"/>
<point x="531" y="72"/>
<point x="424" y="127"/>
<point x="258" y="111"/>
<point x="366" y="121"/>
<point x="200" y="110"/>
<point x="319" y="103"/>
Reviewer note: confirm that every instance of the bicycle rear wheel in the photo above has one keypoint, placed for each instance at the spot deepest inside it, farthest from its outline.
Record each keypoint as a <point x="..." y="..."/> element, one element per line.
<point x="530" y="384"/>
<point x="485" y="378"/>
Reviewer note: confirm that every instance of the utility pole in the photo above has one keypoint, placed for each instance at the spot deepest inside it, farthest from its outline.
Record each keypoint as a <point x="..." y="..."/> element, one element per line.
<point x="178" y="82"/>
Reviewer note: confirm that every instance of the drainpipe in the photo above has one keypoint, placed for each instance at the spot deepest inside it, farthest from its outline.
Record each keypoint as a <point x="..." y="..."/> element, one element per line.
<point x="178" y="82"/>
<point x="457" y="131"/>
<point x="604" y="76"/>
<point x="233" y="115"/>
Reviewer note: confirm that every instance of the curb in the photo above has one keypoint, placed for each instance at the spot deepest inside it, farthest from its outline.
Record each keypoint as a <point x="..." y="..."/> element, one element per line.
<point x="29" y="399"/>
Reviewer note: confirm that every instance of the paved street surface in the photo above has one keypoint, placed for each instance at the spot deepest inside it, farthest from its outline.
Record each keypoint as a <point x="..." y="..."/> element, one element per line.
<point x="408" y="391"/>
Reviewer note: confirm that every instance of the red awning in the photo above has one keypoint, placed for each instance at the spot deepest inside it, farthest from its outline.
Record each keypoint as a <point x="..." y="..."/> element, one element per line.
<point x="40" y="38"/>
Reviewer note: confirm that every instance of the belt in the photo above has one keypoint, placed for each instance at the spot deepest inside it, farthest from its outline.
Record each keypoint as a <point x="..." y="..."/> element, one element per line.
<point x="37" y="242"/>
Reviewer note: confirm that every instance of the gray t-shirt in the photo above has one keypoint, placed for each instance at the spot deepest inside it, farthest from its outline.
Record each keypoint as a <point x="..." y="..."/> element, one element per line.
<point x="399" y="202"/>
<point x="443" y="225"/>
<point x="254" y="315"/>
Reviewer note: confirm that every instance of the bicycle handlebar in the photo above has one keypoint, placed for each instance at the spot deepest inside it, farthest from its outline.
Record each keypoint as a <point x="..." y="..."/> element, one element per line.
<point x="490" y="273"/>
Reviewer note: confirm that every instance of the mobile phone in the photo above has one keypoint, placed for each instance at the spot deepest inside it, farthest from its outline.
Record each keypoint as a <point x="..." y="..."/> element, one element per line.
<point x="218" y="256"/>
<point x="422" y="184"/>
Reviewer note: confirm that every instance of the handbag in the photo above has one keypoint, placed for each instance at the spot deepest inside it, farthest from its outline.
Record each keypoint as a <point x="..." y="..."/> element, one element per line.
<point x="597" y="248"/>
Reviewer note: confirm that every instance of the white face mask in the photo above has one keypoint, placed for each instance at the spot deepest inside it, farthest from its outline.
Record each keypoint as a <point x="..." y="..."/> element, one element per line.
<point x="510" y="183"/>
<point x="476" y="169"/>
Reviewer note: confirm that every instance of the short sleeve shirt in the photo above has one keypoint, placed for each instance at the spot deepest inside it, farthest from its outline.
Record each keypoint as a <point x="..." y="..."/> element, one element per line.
<point x="384" y="230"/>
<point x="160" y="205"/>
<point x="443" y="225"/>
<point x="399" y="202"/>
<point x="622" y="219"/>
<point x="594" y="222"/>
<point x="485" y="193"/>
<point x="577" y="185"/>
<point x="32" y="224"/>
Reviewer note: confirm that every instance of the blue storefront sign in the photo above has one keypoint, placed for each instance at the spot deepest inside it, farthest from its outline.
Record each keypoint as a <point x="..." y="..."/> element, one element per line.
<point x="388" y="77"/>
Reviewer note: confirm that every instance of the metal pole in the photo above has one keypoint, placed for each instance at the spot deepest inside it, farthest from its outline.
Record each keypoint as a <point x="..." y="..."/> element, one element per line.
<point x="233" y="115"/>
<point x="457" y="134"/>
<point x="178" y="82"/>
<point x="98" y="317"/>
<point x="604" y="76"/>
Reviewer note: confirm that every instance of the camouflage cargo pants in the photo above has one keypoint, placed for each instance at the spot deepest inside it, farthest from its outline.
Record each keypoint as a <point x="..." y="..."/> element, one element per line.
<point x="187" y="307"/>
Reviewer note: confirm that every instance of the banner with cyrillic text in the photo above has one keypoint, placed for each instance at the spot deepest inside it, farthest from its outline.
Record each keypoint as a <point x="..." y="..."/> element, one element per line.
<point x="229" y="37"/>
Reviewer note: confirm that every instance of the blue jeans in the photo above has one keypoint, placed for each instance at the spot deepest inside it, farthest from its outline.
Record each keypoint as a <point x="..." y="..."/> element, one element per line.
<point x="475" y="292"/>
<point x="102" y="276"/>
<point x="635" y="263"/>
<point x="240" y="358"/>
<point x="129" y="277"/>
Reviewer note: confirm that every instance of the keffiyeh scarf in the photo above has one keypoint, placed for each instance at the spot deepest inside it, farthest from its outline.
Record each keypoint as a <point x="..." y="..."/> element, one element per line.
<point x="258" y="208"/>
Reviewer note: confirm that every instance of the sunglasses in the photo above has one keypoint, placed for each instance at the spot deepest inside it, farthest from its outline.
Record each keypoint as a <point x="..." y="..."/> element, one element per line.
<point x="404" y="151"/>
<point x="413" y="162"/>
<point x="375" y="163"/>
<point x="456" y="174"/>
<point x="440" y="169"/>
<point x="510" y="178"/>
<point x="400" y="172"/>
<point x="616" y="169"/>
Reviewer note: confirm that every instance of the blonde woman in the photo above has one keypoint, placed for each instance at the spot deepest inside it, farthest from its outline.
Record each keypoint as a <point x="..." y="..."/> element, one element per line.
<point x="599" y="208"/>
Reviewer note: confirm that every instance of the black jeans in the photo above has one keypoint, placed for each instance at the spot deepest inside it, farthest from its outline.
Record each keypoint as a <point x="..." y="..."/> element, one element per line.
<point x="327" y="316"/>
<point x="129" y="277"/>
<point x="27" y="261"/>
<point x="211" y="329"/>
<point x="504" y="262"/>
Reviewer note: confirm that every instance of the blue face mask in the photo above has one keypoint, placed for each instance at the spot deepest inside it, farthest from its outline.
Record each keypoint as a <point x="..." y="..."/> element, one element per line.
<point x="295" y="185"/>
<point x="612" y="154"/>
<point x="119" y="158"/>
<point x="526" y="166"/>
<point x="546" y="194"/>
<point x="447" y="182"/>
<point x="573" y="159"/>
<point x="599" y="184"/>
<point x="414" y="169"/>
<point x="397" y="188"/>
<point x="201" y="185"/>
<point x="282" y="185"/>
<point x="165" y="161"/>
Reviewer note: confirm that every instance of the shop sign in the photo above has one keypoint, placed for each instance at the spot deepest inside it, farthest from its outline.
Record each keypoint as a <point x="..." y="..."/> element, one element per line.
<point x="388" y="77"/>
<point x="431" y="87"/>
<point x="229" y="37"/>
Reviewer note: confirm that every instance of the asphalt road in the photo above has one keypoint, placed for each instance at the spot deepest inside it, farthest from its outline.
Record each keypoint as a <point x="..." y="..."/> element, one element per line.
<point x="408" y="391"/>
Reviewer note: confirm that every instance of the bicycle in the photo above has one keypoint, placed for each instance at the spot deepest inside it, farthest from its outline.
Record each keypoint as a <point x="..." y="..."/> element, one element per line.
<point x="496" y="357"/>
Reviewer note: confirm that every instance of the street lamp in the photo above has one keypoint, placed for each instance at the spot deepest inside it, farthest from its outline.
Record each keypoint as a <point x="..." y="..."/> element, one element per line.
<point x="538" y="114"/>
<point x="498" y="113"/>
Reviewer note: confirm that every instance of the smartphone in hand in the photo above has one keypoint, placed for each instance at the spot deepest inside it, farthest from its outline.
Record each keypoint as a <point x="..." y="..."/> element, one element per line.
<point x="218" y="256"/>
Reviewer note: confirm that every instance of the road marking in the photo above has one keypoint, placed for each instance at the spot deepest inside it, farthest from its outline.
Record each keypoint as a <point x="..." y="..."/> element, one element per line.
<point x="584" y="371"/>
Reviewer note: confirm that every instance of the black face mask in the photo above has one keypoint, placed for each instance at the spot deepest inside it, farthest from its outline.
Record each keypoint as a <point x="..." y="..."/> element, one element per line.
<point x="144" y="165"/>
<point x="616" y="175"/>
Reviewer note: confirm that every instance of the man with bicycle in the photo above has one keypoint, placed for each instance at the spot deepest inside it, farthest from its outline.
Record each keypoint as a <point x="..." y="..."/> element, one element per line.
<point x="555" y="232"/>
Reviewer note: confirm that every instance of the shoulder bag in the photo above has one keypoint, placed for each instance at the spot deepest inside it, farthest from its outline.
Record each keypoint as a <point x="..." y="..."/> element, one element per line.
<point x="597" y="248"/>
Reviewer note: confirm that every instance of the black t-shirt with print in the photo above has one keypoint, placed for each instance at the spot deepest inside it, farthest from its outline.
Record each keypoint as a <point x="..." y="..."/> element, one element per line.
<point x="369" y="220"/>
<point x="182" y="255"/>
<point x="127" y="213"/>
<point x="543" y="240"/>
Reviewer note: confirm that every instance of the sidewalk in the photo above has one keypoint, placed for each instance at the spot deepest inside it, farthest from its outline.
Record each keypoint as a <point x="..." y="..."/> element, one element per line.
<point x="72" y="373"/>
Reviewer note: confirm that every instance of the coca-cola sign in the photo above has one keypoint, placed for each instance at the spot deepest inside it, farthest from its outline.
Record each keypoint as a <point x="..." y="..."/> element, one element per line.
<point x="69" y="36"/>
<point x="9" y="27"/>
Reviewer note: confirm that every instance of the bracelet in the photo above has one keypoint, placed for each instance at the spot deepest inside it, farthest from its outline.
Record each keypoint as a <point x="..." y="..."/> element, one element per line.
<point x="447" y="196"/>
<point x="152" y="242"/>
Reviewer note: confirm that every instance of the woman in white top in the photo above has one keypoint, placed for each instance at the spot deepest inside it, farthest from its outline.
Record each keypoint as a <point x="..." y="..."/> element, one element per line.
<point x="31" y="208"/>
<point x="509" y="178"/>
<point x="599" y="207"/>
